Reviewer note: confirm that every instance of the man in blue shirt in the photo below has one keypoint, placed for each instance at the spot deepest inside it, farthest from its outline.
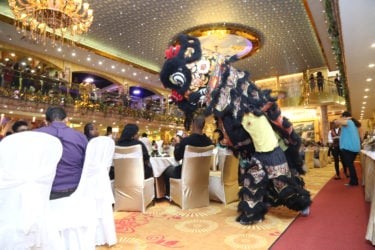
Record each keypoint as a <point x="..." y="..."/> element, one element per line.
<point x="69" y="168"/>
<point x="350" y="144"/>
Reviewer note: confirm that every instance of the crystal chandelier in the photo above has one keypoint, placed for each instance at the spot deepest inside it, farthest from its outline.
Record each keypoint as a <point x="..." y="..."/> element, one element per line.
<point x="51" y="18"/>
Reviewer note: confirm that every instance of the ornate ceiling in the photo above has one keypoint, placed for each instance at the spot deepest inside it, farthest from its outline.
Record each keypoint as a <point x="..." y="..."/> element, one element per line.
<point x="130" y="36"/>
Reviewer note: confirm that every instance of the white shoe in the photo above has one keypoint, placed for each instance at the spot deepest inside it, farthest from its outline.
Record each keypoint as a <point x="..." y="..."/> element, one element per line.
<point x="305" y="212"/>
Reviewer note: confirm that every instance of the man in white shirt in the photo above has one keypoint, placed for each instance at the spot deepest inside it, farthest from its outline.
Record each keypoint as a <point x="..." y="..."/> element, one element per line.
<point x="146" y="142"/>
<point x="334" y="148"/>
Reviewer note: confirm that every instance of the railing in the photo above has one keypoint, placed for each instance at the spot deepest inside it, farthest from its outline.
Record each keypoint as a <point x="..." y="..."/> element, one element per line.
<point x="42" y="91"/>
<point x="309" y="96"/>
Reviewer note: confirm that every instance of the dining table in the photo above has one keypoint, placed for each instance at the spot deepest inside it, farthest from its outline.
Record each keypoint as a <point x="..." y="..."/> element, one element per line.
<point x="159" y="165"/>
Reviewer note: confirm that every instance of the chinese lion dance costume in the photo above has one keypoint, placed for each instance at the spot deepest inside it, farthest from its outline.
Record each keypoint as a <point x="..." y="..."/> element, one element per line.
<point x="249" y="122"/>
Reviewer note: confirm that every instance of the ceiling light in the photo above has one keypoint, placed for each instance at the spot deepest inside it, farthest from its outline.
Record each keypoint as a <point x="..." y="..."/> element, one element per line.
<point x="371" y="65"/>
<point x="366" y="90"/>
<point x="368" y="79"/>
<point x="89" y="80"/>
<point x="53" y="18"/>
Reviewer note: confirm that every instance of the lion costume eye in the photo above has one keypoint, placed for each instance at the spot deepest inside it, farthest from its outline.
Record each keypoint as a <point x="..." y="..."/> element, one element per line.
<point x="178" y="79"/>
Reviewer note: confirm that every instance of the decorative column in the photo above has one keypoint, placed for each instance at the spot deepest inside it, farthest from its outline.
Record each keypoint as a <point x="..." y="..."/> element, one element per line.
<point x="325" y="124"/>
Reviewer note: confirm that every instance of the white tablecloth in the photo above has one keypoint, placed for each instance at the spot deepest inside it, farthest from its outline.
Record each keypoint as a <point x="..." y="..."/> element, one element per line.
<point x="159" y="164"/>
<point x="219" y="157"/>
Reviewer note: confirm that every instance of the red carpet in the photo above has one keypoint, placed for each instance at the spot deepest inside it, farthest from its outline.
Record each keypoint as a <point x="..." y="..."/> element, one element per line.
<point x="338" y="220"/>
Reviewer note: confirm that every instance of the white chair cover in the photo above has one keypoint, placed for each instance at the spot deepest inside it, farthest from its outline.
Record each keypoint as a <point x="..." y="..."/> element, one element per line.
<point x="28" y="163"/>
<point x="103" y="150"/>
<point x="223" y="184"/>
<point x="132" y="191"/>
<point x="191" y="191"/>
<point x="85" y="218"/>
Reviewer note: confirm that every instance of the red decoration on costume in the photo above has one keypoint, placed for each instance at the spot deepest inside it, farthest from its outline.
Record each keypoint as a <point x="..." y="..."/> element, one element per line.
<point x="176" y="96"/>
<point x="172" y="51"/>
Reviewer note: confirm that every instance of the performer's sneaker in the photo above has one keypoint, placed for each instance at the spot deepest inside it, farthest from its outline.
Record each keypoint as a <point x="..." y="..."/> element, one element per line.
<point x="245" y="223"/>
<point x="305" y="212"/>
<point x="350" y="185"/>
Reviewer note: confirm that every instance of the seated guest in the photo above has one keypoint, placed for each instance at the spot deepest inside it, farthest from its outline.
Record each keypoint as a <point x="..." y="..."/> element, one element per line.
<point x="109" y="132"/>
<point x="130" y="137"/>
<point x="69" y="168"/>
<point x="20" y="126"/>
<point x="91" y="131"/>
<point x="146" y="141"/>
<point x="197" y="139"/>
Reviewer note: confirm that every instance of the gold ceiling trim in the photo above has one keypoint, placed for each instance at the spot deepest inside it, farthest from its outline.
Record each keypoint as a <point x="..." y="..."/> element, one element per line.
<point x="222" y="29"/>
<point x="11" y="21"/>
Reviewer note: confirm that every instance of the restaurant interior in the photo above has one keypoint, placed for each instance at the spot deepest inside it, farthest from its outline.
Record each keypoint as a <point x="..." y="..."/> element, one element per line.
<point x="105" y="62"/>
<point x="118" y="83"/>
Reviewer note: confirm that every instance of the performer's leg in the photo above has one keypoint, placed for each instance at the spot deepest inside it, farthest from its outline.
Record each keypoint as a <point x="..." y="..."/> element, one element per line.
<point x="335" y="153"/>
<point x="348" y="158"/>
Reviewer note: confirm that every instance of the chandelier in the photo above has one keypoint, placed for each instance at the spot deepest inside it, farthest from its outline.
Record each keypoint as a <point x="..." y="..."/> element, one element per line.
<point x="51" y="18"/>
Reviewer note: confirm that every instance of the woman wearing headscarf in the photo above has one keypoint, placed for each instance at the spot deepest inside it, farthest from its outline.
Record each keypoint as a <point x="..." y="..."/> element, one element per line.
<point x="130" y="137"/>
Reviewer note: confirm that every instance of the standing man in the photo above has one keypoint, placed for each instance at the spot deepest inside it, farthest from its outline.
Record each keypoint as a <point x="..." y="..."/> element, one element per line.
<point x="338" y="85"/>
<point x="320" y="81"/>
<point x="69" y="168"/>
<point x="350" y="145"/>
<point x="334" y="144"/>
<point x="146" y="142"/>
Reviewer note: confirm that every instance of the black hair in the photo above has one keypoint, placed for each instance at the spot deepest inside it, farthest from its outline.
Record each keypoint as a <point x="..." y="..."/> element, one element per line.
<point x="55" y="113"/>
<point x="109" y="130"/>
<point x="128" y="133"/>
<point x="18" y="124"/>
<point x="348" y="114"/>
<point x="199" y="121"/>
<point x="356" y="122"/>
<point x="87" y="128"/>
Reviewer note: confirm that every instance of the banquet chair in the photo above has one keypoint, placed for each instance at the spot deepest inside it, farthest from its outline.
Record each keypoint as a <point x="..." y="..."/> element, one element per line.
<point x="85" y="218"/>
<point x="323" y="156"/>
<point x="191" y="191"/>
<point x="223" y="184"/>
<point x="102" y="150"/>
<point x="28" y="163"/>
<point x="309" y="158"/>
<point x="132" y="191"/>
